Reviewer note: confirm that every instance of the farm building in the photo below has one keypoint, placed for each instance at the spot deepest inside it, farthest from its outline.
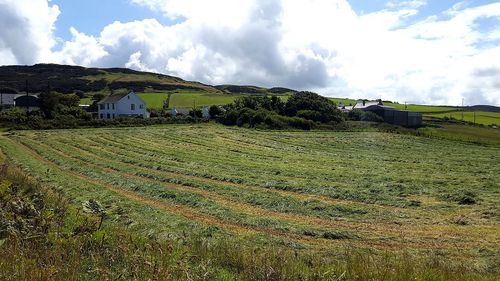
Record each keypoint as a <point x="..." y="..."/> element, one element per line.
<point x="30" y="103"/>
<point x="395" y="116"/>
<point x="122" y="105"/>
<point x="7" y="97"/>
<point x="186" y="112"/>
<point x="179" y="112"/>
<point x="362" y="104"/>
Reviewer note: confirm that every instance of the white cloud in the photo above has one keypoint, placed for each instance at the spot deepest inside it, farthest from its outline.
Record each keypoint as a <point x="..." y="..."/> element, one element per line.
<point x="26" y="31"/>
<point x="411" y="4"/>
<point x="321" y="45"/>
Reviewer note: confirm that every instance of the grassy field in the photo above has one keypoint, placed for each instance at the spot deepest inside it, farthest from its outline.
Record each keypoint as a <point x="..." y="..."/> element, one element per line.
<point x="479" y="117"/>
<point x="183" y="99"/>
<point x="320" y="191"/>
<point x="422" y="108"/>
<point x="463" y="133"/>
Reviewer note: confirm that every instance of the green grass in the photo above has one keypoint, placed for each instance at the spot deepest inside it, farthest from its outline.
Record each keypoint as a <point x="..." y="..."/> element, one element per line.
<point x="464" y="133"/>
<point x="479" y="117"/>
<point x="343" y="101"/>
<point x="49" y="238"/>
<point x="422" y="108"/>
<point x="313" y="193"/>
<point x="183" y="99"/>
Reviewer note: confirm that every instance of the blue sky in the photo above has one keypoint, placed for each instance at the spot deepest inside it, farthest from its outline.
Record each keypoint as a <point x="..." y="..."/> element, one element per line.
<point x="91" y="16"/>
<point x="401" y="50"/>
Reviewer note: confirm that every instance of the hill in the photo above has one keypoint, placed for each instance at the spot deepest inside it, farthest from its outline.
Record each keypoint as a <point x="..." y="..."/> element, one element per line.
<point x="67" y="79"/>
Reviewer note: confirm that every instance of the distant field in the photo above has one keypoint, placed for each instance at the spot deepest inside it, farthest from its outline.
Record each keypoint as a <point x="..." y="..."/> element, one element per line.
<point x="321" y="190"/>
<point x="422" y="108"/>
<point x="343" y="101"/>
<point x="189" y="99"/>
<point x="484" y="118"/>
<point x="184" y="99"/>
<point x="465" y="133"/>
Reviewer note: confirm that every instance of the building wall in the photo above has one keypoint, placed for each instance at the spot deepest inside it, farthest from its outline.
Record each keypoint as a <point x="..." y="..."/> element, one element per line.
<point x="7" y="99"/>
<point x="398" y="117"/>
<point x="123" y="108"/>
<point x="414" y="119"/>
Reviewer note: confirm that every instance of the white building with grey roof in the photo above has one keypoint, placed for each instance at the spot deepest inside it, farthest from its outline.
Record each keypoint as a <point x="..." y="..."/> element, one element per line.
<point x="122" y="105"/>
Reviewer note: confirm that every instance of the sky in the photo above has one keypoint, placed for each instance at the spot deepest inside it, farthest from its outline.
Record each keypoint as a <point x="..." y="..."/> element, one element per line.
<point x="418" y="51"/>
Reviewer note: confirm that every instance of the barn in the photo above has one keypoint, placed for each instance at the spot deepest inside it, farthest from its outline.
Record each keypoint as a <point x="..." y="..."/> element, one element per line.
<point x="7" y="97"/>
<point x="30" y="103"/>
<point x="395" y="116"/>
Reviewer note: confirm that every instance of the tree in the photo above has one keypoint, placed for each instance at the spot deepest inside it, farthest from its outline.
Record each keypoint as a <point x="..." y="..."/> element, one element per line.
<point x="48" y="102"/>
<point x="70" y="100"/>
<point x="214" y="111"/>
<point x="307" y="102"/>
<point x="97" y="97"/>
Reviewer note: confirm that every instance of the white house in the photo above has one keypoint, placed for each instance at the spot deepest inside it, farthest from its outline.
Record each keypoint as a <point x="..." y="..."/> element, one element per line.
<point x="122" y="105"/>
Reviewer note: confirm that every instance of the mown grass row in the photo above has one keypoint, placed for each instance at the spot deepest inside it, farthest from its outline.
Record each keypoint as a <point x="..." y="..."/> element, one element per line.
<point x="240" y="175"/>
<point x="175" y="194"/>
<point x="379" y="229"/>
<point x="297" y="176"/>
<point x="239" y="195"/>
<point x="57" y="241"/>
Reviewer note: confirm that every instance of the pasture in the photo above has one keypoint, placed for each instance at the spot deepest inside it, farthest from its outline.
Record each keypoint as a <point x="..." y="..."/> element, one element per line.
<point x="478" y="117"/>
<point x="181" y="99"/>
<point x="320" y="191"/>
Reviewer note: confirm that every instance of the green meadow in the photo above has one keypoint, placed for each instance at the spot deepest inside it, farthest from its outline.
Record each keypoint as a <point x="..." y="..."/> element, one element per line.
<point x="478" y="117"/>
<point x="313" y="193"/>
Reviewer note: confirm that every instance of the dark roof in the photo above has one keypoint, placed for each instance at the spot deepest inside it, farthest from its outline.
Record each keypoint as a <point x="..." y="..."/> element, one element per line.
<point x="183" y="111"/>
<point x="27" y="101"/>
<point x="113" y="98"/>
<point x="383" y="107"/>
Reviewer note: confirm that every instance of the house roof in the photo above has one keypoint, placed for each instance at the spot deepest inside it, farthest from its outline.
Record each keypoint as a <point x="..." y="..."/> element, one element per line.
<point x="384" y="107"/>
<point x="359" y="105"/>
<point x="113" y="98"/>
<point x="183" y="111"/>
<point x="28" y="101"/>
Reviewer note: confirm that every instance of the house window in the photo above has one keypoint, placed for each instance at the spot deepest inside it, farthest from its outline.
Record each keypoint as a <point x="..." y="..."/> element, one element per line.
<point x="101" y="106"/>
<point x="132" y="106"/>
<point x="113" y="106"/>
<point x="113" y="116"/>
<point x="107" y="105"/>
<point x="128" y="97"/>
<point x="109" y="116"/>
<point x="102" y="115"/>
<point x="141" y="106"/>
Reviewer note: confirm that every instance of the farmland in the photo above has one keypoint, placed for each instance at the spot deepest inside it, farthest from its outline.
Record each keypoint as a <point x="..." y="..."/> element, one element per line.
<point x="319" y="191"/>
<point x="479" y="117"/>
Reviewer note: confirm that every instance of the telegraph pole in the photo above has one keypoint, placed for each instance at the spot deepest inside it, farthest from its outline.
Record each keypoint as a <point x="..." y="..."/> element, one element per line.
<point x="463" y="108"/>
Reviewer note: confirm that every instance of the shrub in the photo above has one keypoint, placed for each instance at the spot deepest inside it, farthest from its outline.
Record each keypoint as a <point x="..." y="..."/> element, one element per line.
<point x="214" y="111"/>
<point x="230" y="117"/>
<point x="327" y="110"/>
<point x="370" y="116"/>
<point x="197" y="113"/>
<point x="311" y="115"/>
<point x="355" y="115"/>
